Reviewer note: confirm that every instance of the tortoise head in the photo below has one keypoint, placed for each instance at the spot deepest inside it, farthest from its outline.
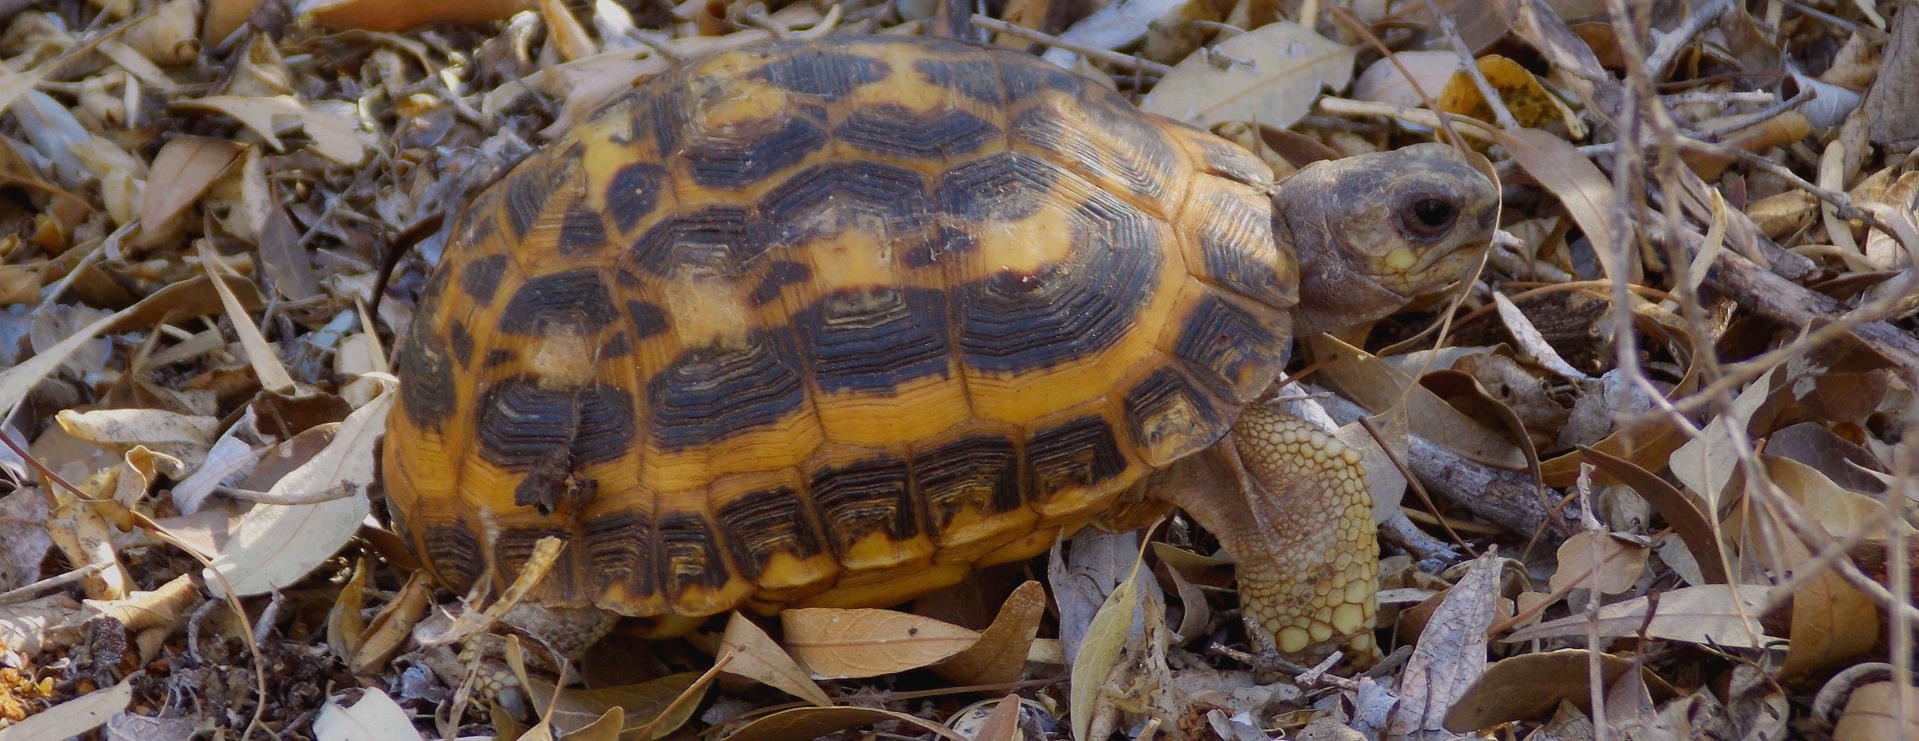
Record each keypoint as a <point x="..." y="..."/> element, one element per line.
<point x="1376" y="231"/>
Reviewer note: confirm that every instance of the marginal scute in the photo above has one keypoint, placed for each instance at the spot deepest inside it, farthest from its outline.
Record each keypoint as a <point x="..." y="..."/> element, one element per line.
<point x="981" y="472"/>
<point x="427" y="390"/>
<point x="515" y="549"/>
<point x="690" y="554"/>
<point x="1169" y="417"/>
<point x="621" y="550"/>
<point x="1225" y="343"/>
<point x="1074" y="455"/>
<point x="762" y="524"/>
<point x="862" y="497"/>
<point x="454" y="552"/>
<point x="714" y="392"/>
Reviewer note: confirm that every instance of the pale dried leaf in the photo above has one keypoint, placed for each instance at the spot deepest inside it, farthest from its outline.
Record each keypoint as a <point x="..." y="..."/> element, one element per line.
<point x="163" y="607"/>
<point x="755" y="656"/>
<point x="375" y="717"/>
<point x="1000" y="653"/>
<point x="277" y="544"/>
<point x="814" y="722"/>
<point x="266" y="365"/>
<point x="1451" y="652"/>
<point x="663" y="705"/>
<point x="1872" y="714"/>
<point x="1579" y="185"/>
<point x="182" y="436"/>
<point x="1704" y="614"/>
<point x="1099" y="650"/>
<point x="73" y="717"/>
<point x="392" y="626"/>
<point x="1591" y="560"/>
<point x="24" y="627"/>
<point x="386" y="15"/>
<point x="1532" y="344"/>
<point x="1387" y="82"/>
<point x="843" y="644"/>
<point x="1276" y="72"/>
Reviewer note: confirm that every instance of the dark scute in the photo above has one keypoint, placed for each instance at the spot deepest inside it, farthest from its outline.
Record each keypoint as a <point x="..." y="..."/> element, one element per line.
<point x="824" y="72"/>
<point x="621" y="549"/>
<point x="521" y="423"/>
<point x="898" y="131"/>
<point x="735" y="162"/>
<point x="462" y="342"/>
<point x="1231" y="162"/>
<point x="481" y="278"/>
<point x="690" y="554"/>
<point x="426" y="377"/>
<point x="497" y="358"/>
<point x="863" y="497"/>
<point x="617" y="346"/>
<point x="1137" y="166"/>
<point x="581" y="233"/>
<point x="1005" y="186"/>
<point x="974" y="78"/>
<point x="873" y="340"/>
<point x="707" y="242"/>
<point x="516" y="549"/>
<point x="1014" y="322"/>
<point x="454" y="552"/>
<point x="1194" y="419"/>
<point x="529" y="187"/>
<point x="1073" y="455"/>
<point x="1228" y="347"/>
<point x="648" y="319"/>
<point x="854" y="193"/>
<point x="575" y="301"/>
<point x="980" y="471"/>
<point x="710" y="393"/>
<point x="1026" y="79"/>
<point x="633" y="192"/>
<point x="779" y="275"/>
<point x="1234" y="263"/>
<point x="948" y="240"/>
<point x="762" y="524"/>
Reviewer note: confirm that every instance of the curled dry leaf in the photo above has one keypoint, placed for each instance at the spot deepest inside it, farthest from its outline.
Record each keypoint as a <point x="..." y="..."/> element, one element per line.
<point x="647" y="710"/>
<point x="159" y="608"/>
<point x="1872" y="712"/>
<point x="1001" y="650"/>
<point x="843" y="644"/>
<point x="333" y="132"/>
<point x="1833" y="623"/>
<point x="1716" y="614"/>
<point x="391" y="627"/>
<point x="24" y="627"/>
<point x="1533" y="686"/>
<point x="185" y="437"/>
<point x="819" y="722"/>
<point x="1377" y="386"/>
<point x="1268" y="76"/>
<point x="753" y="655"/>
<point x="375" y="717"/>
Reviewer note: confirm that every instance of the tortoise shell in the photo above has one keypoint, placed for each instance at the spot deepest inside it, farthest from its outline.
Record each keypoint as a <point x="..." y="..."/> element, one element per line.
<point x="828" y="322"/>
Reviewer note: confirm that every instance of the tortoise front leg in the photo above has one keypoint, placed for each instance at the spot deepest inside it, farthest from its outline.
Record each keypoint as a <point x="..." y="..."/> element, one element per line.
<point x="1289" y="502"/>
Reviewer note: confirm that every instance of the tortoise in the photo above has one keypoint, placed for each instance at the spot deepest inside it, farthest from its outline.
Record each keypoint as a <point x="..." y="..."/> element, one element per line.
<point x="835" y="321"/>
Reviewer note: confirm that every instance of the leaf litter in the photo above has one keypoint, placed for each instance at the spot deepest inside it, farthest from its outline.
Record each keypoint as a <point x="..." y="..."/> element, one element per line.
<point x="1675" y="399"/>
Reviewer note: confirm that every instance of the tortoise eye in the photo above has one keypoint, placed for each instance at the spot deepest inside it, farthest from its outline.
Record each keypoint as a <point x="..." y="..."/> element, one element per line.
<point x="1431" y="217"/>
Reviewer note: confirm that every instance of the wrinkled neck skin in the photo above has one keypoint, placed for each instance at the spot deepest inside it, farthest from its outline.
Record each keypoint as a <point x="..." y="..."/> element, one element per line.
<point x="1334" y="293"/>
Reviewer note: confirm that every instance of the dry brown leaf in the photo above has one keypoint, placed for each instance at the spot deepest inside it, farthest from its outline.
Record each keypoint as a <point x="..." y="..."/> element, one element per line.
<point x="184" y="169"/>
<point x="755" y="656"/>
<point x="274" y="237"/>
<point x="1593" y="560"/>
<point x="185" y="437"/>
<point x="1377" y="386"/>
<point x="819" y="722"/>
<point x="164" y="607"/>
<point x="1833" y="624"/>
<point x="344" y="626"/>
<point x="663" y="705"/>
<point x="386" y="15"/>
<point x="1386" y="81"/>
<point x="266" y="363"/>
<point x="1451" y="652"/>
<point x="1000" y="653"/>
<point x="565" y="32"/>
<point x="391" y="628"/>
<point x="1533" y="686"/>
<point x="168" y="37"/>
<point x="1530" y="103"/>
<point x="332" y="131"/>
<point x="1580" y="186"/>
<point x="1704" y="614"/>
<point x="843" y="644"/>
<point x="1273" y="75"/>
<point x="223" y="17"/>
<point x="1691" y="526"/>
<point x="1872" y="714"/>
<point x="25" y="627"/>
<point x="1842" y="512"/>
